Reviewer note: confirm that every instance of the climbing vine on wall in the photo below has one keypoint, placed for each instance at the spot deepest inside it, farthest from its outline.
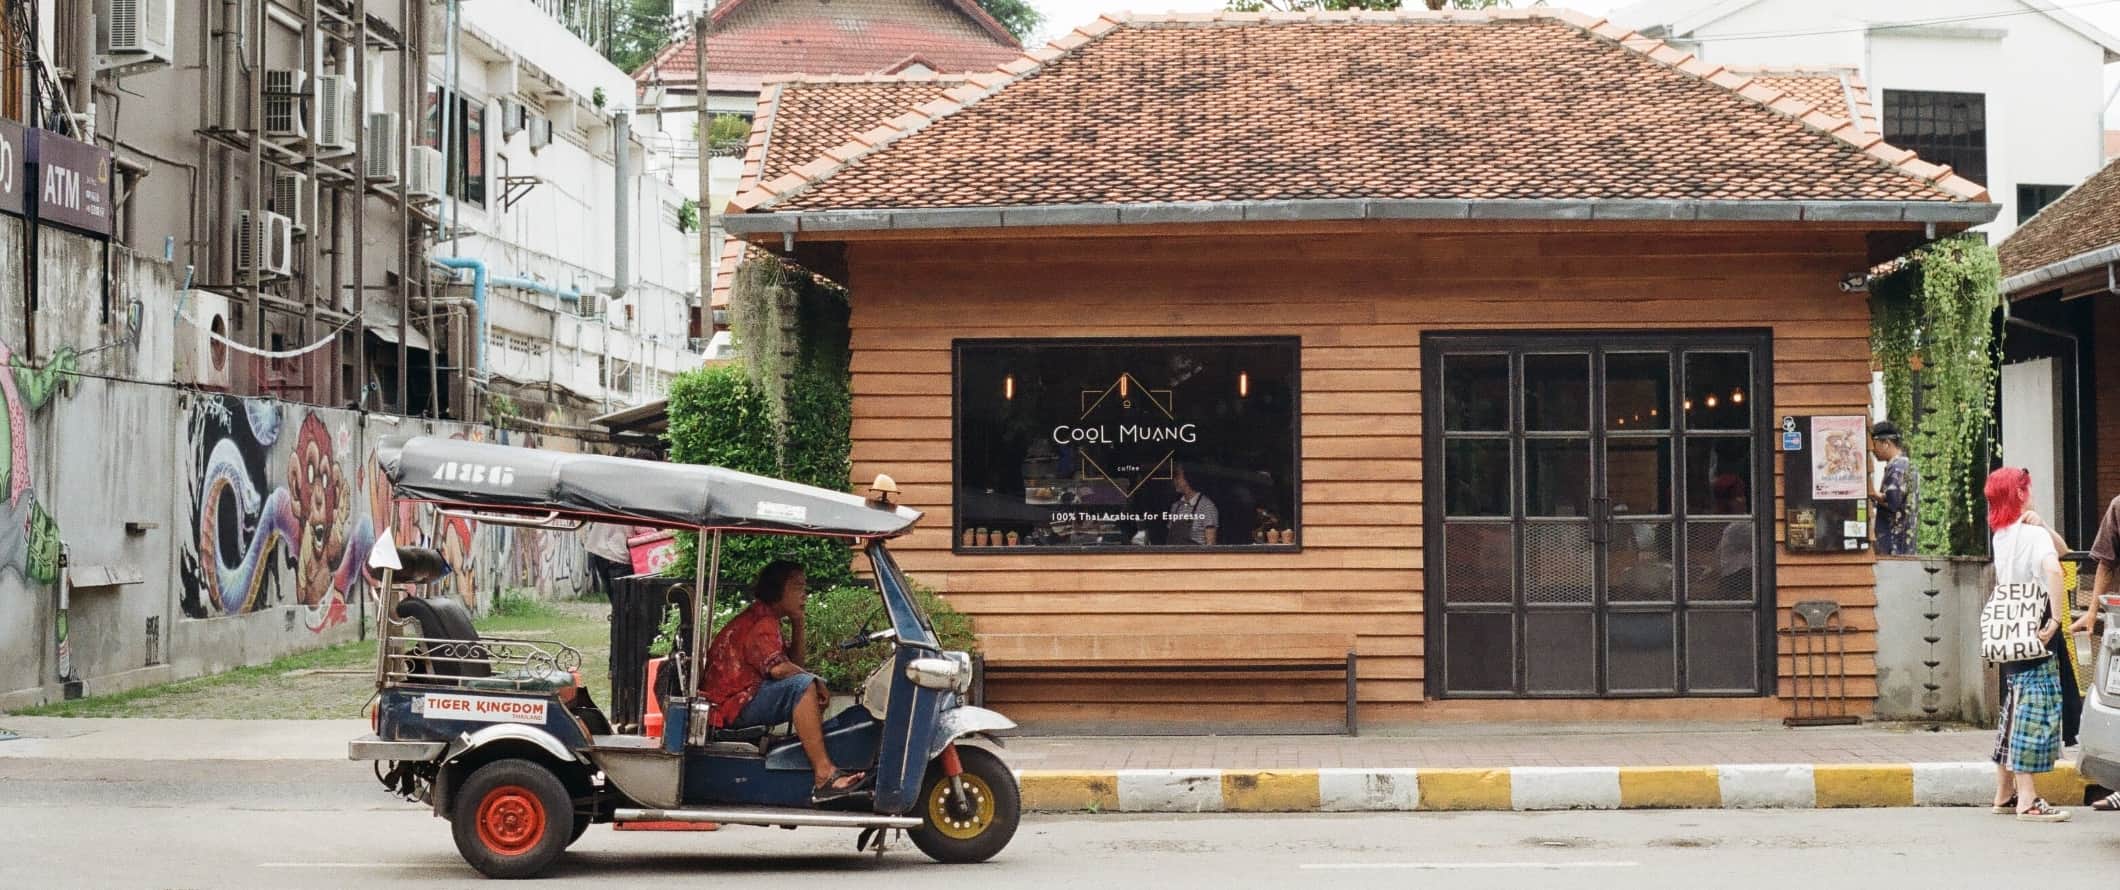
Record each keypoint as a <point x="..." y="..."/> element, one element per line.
<point x="1935" y="315"/>
<point x="783" y="410"/>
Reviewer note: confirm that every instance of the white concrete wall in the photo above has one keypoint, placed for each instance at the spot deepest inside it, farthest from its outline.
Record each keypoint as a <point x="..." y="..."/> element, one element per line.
<point x="1968" y="690"/>
<point x="2043" y="81"/>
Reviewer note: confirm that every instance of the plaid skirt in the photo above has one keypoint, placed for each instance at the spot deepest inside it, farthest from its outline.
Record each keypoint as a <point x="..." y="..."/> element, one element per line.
<point x="2029" y="740"/>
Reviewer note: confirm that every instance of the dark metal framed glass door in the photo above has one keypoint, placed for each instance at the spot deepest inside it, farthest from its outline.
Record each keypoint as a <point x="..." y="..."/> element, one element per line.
<point x="1597" y="515"/>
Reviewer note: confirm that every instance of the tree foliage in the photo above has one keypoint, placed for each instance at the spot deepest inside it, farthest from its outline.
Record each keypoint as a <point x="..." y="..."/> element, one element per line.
<point x="1018" y="16"/>
<point x="635" y="30"/>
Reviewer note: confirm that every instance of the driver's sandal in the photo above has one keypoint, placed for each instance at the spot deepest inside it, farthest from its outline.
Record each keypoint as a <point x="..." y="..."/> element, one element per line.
<point x="840" y="785"/>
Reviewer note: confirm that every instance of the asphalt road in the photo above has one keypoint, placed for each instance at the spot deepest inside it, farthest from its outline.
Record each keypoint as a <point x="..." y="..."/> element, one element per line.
<point x="189" y="825"/>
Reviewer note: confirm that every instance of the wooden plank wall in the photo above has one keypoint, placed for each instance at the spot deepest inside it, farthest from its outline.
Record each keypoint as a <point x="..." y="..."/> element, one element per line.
<point x="1360" y="302"/>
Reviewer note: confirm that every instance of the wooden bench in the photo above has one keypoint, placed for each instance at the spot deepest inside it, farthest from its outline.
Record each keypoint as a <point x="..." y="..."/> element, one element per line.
<point x="1086" y="655"/>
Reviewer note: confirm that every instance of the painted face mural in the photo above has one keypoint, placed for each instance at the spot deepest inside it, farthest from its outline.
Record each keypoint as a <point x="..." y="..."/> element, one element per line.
<point x="321" y="510"/>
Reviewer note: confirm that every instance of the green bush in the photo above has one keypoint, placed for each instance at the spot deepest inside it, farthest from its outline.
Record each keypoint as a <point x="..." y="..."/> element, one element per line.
<point x="838" y="614"/>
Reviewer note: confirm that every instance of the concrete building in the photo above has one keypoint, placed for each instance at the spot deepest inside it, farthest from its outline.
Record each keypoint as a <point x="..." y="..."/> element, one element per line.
<point x="2009" y="93"/>
<point x="324" y="123"/>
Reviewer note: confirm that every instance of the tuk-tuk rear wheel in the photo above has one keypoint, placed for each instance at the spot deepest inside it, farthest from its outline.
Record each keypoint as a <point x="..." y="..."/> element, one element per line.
<point x="512" y="818"/>
<point x="949" y="833"/>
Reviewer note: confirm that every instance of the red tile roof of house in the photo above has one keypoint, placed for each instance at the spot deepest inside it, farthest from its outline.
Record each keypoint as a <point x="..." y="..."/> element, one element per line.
<point x="2084" y="220"/>
<point x="1836" y="91"/>
<point x="1223" y="107"/>
<point x="749" y="40"/>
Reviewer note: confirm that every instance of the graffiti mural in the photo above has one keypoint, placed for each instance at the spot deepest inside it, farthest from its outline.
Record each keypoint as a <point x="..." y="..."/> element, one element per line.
<point x="29" y="536"/>
<point x="285" y="501"/>
<point x="272" y="519"/>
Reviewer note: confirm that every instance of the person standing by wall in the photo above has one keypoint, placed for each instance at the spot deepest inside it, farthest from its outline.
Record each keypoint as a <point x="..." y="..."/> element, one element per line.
<point x="1897" y="495"/>
<point x="609" y="559"/>
<point x="2105" y="550"/>
<point x="2028" y="742"/>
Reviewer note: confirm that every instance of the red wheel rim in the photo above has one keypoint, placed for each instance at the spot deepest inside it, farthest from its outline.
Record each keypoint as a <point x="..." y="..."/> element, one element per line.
<point x="511" y="820"/>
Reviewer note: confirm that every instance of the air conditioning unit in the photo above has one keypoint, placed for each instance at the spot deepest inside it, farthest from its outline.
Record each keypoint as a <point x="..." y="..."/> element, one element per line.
<point x="513" y="118"/>
<point x="201" y="360"/>
<point x="540" y="132"/>
<point x="386" y="140"/>
<point x="337" y="124"/>
<point x="290" y="191"/>
<point x="590" y="305"/>
<point x="267" y="247"/>
<point x="286" y="104"/>
<point x="136" y="31"/>
<point x="425" y="178"/>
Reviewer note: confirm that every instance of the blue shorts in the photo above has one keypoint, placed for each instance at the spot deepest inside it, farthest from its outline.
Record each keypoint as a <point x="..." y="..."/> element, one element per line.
<point x="774" y="702"/>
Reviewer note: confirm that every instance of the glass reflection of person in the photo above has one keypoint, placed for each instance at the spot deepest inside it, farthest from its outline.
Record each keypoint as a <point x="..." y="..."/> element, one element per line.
<point x="1733" y="552"/>
<point x="1193" y="520"/>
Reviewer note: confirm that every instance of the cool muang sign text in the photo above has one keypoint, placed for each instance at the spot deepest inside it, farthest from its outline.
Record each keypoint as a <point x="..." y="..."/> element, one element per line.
<point x="1128" y="433"/>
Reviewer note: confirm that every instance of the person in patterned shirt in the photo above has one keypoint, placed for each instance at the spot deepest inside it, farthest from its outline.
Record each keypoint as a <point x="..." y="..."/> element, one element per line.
<point x="1897" y="496"/>
<point x="752" y="678"/>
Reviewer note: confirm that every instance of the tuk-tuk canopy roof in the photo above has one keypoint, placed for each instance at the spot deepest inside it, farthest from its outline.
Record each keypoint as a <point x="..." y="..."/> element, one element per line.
<point x="474" y="475"/>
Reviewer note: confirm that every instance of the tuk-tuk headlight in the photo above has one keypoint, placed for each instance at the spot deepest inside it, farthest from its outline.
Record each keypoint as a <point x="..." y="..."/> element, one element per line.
<point x="964" y="670"/>
<point x="936" y="673"/>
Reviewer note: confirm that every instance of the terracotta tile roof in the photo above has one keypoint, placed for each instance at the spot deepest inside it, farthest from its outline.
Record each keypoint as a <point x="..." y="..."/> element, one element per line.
<point x="1836" y="91"/>
<point x="748" y="40"/>
<point x="734" y="253"/>
<point x="809" y="116"/>
<point x="2085" y="219"/>
<point x="1236" y="107"/>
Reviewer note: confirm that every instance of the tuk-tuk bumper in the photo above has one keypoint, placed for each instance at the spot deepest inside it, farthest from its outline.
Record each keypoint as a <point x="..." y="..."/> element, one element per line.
<point x="370" y="747"/>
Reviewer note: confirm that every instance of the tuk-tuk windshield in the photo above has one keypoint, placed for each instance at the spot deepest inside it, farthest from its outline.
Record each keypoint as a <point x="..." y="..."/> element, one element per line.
<point x="898" y="594"/>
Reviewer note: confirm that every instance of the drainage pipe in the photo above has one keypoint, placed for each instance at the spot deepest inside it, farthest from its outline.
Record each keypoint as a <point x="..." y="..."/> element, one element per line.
<point x="621" y="166"/>
<point x="481" y="281"/>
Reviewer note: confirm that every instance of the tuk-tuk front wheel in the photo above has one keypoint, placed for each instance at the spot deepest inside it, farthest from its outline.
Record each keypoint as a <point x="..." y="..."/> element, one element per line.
<point x="513" y="817"/>
<point x="976" y="827"/>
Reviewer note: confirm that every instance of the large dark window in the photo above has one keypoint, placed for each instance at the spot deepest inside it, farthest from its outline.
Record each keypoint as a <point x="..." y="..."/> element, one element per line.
<point x="1108" y="445"/>
<point x="2033" y="198"/>
<point x="467" y="159"/>
<point x="1943" y="128"/>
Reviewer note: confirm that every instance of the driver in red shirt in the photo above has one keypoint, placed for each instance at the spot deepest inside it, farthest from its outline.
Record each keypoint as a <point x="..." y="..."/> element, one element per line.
<point x="752" y="678"/>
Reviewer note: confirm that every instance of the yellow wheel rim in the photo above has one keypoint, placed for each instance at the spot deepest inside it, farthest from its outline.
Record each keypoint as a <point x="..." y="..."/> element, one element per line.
<point x="948" y="823"/>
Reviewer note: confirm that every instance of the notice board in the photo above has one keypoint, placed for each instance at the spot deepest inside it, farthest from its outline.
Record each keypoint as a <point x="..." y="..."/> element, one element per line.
<point x="1826" y="479"/>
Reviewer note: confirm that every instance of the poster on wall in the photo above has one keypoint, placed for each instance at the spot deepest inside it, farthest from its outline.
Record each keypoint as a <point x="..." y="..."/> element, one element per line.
<point x="1839" y="470"/>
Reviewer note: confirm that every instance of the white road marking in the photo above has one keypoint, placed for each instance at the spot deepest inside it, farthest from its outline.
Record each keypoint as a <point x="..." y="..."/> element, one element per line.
<point x="356" y="865"/>
<point x="1458" y="866"/>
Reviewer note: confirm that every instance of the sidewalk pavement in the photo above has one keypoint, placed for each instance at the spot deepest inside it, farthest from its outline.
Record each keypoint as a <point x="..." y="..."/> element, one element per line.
<point x="1462" y="767"/>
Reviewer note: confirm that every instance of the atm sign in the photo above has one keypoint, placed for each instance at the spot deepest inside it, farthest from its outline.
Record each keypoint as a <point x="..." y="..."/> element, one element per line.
<point x="482" y="709"/>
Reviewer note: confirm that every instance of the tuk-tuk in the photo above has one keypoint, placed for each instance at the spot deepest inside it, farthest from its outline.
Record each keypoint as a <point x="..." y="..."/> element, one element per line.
<point x="496" y="735"/>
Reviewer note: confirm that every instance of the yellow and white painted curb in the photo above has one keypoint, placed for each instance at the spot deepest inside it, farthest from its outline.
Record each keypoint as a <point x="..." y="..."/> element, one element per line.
<point x="1737" y="786"/>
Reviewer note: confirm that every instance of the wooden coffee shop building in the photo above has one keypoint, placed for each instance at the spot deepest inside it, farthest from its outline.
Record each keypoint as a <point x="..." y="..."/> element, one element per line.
<point x="1218" y="346"/>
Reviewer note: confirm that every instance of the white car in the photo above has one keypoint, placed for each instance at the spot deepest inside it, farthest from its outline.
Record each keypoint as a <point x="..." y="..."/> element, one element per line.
<point x="2100" y="735"/>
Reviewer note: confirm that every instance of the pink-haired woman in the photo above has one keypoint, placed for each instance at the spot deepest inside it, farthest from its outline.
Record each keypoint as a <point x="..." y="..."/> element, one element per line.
<point x="2029" y="741"/>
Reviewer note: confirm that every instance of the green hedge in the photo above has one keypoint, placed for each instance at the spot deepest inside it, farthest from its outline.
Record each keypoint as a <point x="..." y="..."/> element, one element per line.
<point x="839" y="614"/>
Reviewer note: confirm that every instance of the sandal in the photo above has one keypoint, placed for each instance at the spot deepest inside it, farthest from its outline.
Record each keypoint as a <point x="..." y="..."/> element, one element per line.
<point x="840" y="785"/>
<point x="2107" y="803"/>
<point x="2006" y="807"/>
<point x="2041" y="811"/>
